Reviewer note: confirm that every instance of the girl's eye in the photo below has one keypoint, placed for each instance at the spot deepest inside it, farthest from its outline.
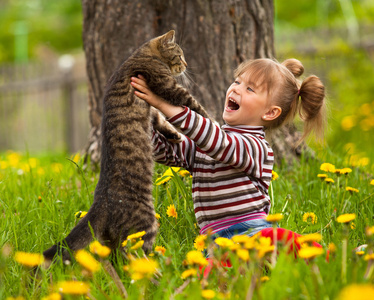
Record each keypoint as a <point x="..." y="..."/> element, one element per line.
<point x="249" y="89"/>
<point x="236" y="82"/>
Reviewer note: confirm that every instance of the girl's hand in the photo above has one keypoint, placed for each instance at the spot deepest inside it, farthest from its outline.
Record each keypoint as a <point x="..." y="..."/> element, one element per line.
<point x="143" y="92"/>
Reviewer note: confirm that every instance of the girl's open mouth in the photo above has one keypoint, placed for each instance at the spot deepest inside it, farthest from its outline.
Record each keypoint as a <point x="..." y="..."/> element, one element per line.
<point x="232" y="104"/>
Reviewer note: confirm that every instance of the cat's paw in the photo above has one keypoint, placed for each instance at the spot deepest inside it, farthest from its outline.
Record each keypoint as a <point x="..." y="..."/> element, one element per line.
<point x="174" y="137"/>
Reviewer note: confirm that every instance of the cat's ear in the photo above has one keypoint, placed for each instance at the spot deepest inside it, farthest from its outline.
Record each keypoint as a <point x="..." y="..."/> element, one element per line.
<point x="168" y="38"/>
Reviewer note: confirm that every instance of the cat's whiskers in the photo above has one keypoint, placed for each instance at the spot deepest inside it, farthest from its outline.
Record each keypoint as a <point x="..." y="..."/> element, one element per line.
<point x="189" y="78"/>
<point x="184" y="81"/>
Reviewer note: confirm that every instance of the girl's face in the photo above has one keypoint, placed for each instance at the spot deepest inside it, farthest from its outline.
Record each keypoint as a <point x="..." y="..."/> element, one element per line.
<point x="246" y="103"/>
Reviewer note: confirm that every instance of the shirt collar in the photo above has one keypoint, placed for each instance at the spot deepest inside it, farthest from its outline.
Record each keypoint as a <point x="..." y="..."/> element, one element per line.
<point x="254" y="130"/>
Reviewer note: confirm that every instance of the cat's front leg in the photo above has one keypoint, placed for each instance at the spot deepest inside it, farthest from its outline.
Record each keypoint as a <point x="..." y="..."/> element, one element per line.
<point x="164" y="127"/>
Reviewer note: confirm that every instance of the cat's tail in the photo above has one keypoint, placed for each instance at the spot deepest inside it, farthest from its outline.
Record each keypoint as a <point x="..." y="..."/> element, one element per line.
<point x="78" y="238"/>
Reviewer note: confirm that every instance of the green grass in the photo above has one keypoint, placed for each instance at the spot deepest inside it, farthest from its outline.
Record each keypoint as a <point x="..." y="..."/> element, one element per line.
<point x="40" y="196"/>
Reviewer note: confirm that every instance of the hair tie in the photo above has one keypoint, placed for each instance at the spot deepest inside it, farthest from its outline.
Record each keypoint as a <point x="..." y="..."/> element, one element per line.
<point x="298" y="92"/>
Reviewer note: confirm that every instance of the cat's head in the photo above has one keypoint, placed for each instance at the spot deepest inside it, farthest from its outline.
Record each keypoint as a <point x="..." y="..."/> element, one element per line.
<point x="170" y="52"/>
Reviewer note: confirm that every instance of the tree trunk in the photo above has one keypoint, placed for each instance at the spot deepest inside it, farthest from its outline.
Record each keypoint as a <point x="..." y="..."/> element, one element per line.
<point x="216" y="35"/>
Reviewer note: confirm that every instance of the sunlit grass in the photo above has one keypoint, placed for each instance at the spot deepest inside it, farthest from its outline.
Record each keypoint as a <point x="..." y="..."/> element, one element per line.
<point x="40" y="198"/>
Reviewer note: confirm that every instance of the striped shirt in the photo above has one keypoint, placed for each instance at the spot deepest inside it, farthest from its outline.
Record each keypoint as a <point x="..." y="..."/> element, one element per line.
<point x="231" y="168"/>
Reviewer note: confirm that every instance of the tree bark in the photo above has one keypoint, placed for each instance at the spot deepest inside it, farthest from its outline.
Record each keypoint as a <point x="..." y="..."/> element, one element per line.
<point x="216" y="35"/>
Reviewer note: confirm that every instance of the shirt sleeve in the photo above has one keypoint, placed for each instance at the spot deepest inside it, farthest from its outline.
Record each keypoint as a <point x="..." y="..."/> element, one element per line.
<point x="242" y="151"/>
<point x="173" y="154"/>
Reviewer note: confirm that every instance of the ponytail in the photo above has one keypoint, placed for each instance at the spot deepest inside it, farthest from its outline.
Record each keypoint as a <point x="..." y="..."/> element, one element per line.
<point x="312" y="106"/>
<point x="307" y="98"/>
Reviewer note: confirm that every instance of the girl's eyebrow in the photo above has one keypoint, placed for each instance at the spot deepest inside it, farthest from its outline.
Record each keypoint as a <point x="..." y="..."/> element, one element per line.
<point x="249" y="82"/>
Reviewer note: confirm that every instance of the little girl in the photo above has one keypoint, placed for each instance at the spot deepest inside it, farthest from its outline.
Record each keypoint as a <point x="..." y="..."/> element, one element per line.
<point x="232" y="165"/>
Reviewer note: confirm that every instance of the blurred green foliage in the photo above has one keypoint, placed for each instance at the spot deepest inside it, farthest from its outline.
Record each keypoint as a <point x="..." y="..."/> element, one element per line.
<point x="54" y="24"/>
<point x="322" y="13"/>
<point x="332" y="39"/>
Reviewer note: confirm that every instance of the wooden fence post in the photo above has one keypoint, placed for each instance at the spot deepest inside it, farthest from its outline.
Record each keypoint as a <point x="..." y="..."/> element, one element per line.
<point x="66" y="64"/>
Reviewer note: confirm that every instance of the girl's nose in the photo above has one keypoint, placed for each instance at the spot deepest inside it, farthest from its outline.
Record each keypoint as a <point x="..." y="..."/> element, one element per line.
<point x="236" y="89"/>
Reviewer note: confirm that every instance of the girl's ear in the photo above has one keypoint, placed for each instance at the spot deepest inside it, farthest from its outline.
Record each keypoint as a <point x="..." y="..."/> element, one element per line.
<point x="272" y="113"/>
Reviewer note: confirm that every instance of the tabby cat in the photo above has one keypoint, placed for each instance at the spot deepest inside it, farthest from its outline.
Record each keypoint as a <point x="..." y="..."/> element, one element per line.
<point x="123" y="196"/>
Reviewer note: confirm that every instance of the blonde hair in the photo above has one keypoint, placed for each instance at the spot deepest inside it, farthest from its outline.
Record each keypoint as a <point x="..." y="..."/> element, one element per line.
<point x="284" y="89"/>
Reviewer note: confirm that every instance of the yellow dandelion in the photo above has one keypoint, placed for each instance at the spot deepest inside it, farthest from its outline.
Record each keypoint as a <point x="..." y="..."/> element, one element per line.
<point x="138" y="245"/>
<point x="274" y="218"/>
<point x="80" y="214"/>
<point x="160" y="249"/>
<point x="184" y="173"/>
<point x="353" y="226"/>
<point x="250" y="244"/>
<point x="162" y="180"/>
<point x="363" y="162"/>
<point x="73" y="287"/>
<point x="40" y="171"/>
<point x="369" y="231"/>
<point x="234" y="247"/>
<point x="142" y="268"/>
<point x="357" y="292"/>
<point x="13" y="159"/>
<point x="28" y="259"/>
<point x="56" y="167"/>
<point x="3" y="164"/>
<point x="87" y="261"/>
<point x="33" y="162"/>
<point x="223" y="242"/>
<point x="310" y="252"/>
<point x="158" y="217"/>
<point x="171" y="211"/>
<point x="346" y="218"/>
<point x="327" y="167"/>
<point x="169" y="171"/>
<point x="199" y="242"/>
<point x="274" y="175"/>
<point x="53" y="296"/>
<point x="351" y="189"/>
<point x="345" y="171"/>
<point x="322" y="176"/>
<point x="97" y="248"/>
<point x="240" y="238"/>
<point x="313" y="237"/>
<point x="310" y="217"/>
<point x="243" y="254"/>
<point x="196" y="258"/>
<point x="208" y="294"/>
<point x="76" y="157"/>
<point x="264" y="246"/>
<point x="369" y="256"/>
<point x="264" y="278"/>
<point x="188" y="273"/>
<point x="329" y="180"/>
<point x="360" y="253"/>
<point x="136" y="235"/>
<point x="372" y="182"/>
<point x="348" y="122"/>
